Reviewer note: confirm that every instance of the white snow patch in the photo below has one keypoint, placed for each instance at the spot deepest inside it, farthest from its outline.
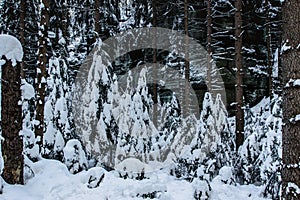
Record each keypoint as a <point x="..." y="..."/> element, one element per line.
<point x="294" y="186"/>
<point x="11" y="48"/>
<point x="285" y="47"/>
<point x="27" y="90"/>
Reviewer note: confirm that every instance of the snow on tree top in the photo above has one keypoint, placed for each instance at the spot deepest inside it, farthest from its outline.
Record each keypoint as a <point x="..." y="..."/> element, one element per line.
<point x="11" y="48"/>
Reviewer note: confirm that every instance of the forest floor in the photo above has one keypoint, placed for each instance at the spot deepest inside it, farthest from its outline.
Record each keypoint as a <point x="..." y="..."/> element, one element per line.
<point x="53" y="181"/>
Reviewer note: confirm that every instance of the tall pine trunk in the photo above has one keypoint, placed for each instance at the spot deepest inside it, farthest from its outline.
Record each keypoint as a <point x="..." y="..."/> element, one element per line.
<point x="209" y="41"/>
<point x="155" y="70"/>
<point x="11" y="112"/>
<point x="186" y="57"/>
<point x="291" y="99"/>
<point x="97" y="16"/>
<point x="269" y="48"/>
<point x="41" y="72"/>
<point x="22" y="31"/>
<point x="239" y="74"/>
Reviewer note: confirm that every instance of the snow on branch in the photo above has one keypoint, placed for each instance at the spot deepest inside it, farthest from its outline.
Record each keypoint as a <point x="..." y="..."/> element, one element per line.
<point x="292" y="186"/>
<point x="295" y="119"/>
<point x="293" y="83"/>
<point x="11" y="48"/>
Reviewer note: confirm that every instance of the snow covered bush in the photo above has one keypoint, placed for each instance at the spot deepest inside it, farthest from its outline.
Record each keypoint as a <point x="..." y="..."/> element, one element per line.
<point x="74" y="156"/>
<point x="260" y="156"/>
<point x="133" y="168"/>
<point x="30" y="142"/>
<point x="202" y="189"/>
<point x="31" y="148"/>
<point x="211" y="145"/>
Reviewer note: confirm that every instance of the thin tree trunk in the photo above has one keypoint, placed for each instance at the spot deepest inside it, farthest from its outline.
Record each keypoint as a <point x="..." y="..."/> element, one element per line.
<point x="154" y="118"/>
<point x="11" y="112"/>
<point x="291" y="99"/>
<point x="269" y="50"/>
<point x="22" y="32"/>
<point x="97" y="16"/>
<point x="186" y="58"/>
<point x="239" y="74"/>
<point x="41" y="72"/>
<point x="209" y="41"/>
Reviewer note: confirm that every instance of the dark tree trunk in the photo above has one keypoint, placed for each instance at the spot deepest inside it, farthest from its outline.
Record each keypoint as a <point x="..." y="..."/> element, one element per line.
<point x="22" y="31"/>
<point x="209" y="41"/>
<point x="269" y="48"/>
<point x="12" y="147"/>
<point x="155" y="95"/>
<point x="186" y="57"/>
<point x="41" y="72"/>
<point x="291" y="99"/>
<point x="97" y="16"/>
<point x="239" y="74"/>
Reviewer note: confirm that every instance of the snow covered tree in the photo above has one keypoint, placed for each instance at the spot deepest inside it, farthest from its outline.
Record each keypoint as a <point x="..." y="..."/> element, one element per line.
<point x="93" y="103"/>
<point x="291" y="109"/>
<point x="211" y="144"/>
<point x="57" y="109"/>
<point x="259" y="159"/>
<point x="11" y="54"/>
<point x="135" y="124"/>
<point x="31" y="147"/>
<point x="74" y="156"/>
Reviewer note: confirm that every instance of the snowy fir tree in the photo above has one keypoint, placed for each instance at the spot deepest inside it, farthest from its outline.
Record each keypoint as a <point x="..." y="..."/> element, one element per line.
<point x="260" y="156"/>
<point x="57" y="115"/>
<point x="211" y="144"/>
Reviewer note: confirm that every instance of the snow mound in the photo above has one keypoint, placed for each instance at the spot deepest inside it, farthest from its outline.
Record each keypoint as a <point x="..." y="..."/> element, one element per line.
<point x="11" y="48"/>
<point x="133" y="167"/>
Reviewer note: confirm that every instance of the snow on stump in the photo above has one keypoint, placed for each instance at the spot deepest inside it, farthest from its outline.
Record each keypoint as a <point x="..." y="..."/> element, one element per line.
<point x="95" y="177"/>
<point x="11" y="54"/>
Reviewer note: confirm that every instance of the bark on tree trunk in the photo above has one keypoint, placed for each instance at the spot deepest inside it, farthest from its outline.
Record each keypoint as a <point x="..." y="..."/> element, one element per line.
<point x="239" y="75"/>
<point x="12" y="147"/>
<point x="186" y="58"/>
<point x="155" y="95"/>
<point x="291" y="99"/>
<point x="209" y="41"/>
<point x="22" y="32"/>
<point x="97" y="16"/>
<point x="41" y="72"/>
<point x="269" y="49"/>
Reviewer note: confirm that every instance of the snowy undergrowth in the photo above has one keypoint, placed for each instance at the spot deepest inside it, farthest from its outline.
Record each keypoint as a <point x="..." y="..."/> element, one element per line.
<point x="52" y="180"/>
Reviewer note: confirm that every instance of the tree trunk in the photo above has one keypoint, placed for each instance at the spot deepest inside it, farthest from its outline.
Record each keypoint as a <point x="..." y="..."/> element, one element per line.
<point x="12" y="147"/>
<point x="97" y="16"/>
<point x="155" y="95"/>
<point x="22" y="32"/>
<point x="186" y="59"/>
<point x="209" y="41"/>
<point x="239" y="74"/>
<point x="291" y="99"/>
<point x="41" y="72"/>
<point x="269" y="48"/>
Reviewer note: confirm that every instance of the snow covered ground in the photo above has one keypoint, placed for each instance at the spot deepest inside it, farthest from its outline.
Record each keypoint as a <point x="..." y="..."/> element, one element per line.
<point x="53" y="181"/>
